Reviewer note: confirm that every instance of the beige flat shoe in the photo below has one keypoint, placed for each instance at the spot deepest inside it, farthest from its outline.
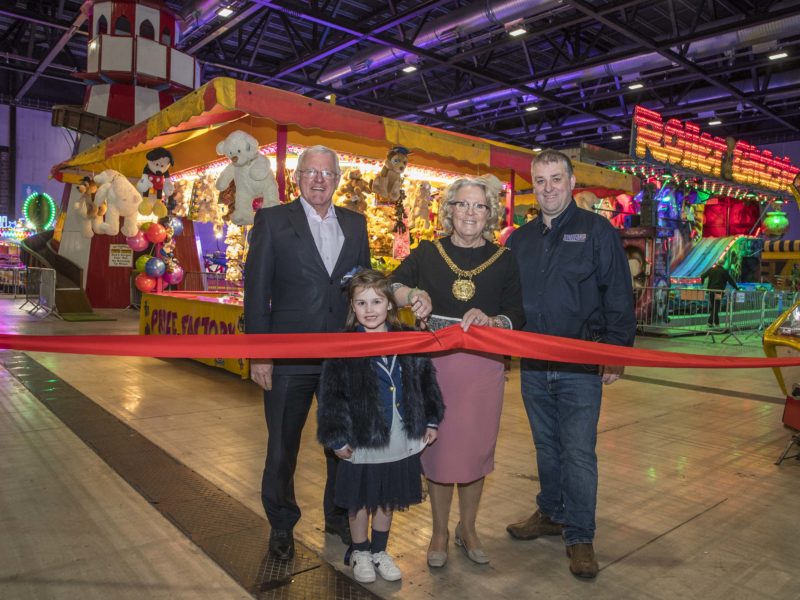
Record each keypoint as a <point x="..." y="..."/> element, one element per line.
<point x="476" y="555"/>
<point x="438" y="558"/>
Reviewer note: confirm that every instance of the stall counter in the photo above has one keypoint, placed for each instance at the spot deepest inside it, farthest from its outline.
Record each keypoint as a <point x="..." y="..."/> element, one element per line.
<point x="181" y="313"/>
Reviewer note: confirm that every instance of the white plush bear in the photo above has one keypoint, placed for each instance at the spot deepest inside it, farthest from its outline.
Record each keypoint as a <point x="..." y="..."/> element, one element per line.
<point x="122" y="200"/>
<point x="255" y="183"/>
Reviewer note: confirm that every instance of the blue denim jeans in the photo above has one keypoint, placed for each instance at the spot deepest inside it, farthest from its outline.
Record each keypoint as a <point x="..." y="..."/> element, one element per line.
<point x="563" y="408"/>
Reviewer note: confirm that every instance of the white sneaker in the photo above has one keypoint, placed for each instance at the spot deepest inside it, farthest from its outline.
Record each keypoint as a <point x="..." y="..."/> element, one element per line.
<point x="363" y="569"/>
<point x="386" y="566"/>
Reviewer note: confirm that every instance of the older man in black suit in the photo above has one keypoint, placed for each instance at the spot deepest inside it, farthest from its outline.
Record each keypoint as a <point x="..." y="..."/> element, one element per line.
<point x="298" y="254"/>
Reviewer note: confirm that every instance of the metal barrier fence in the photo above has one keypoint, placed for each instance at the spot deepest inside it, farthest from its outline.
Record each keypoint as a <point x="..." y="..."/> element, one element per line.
<point x="710" y="312"/>
<point x="12" y="280"/>
<point x="40" y="290"/>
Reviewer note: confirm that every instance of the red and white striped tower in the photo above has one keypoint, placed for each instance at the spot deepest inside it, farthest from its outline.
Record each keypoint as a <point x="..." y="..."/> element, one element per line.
<point x="133" y="68"/>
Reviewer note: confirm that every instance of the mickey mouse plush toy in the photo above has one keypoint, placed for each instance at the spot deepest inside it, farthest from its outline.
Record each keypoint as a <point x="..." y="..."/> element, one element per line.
<point x="156" y="176"/>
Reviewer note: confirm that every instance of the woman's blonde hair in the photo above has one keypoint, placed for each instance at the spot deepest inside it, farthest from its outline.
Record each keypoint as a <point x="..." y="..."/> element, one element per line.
<point x="492" y="188"/>
<point x="375" y="280"/>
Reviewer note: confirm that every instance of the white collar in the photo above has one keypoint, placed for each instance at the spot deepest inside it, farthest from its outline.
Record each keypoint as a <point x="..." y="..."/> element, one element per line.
<point x="312" y="213"/>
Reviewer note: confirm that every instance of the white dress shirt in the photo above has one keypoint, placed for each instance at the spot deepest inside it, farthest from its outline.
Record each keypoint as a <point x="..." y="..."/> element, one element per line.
<point x="327" y="234"/>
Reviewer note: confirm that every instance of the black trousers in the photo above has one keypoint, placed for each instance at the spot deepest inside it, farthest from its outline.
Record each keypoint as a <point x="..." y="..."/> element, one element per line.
<point x="286" y="409"/>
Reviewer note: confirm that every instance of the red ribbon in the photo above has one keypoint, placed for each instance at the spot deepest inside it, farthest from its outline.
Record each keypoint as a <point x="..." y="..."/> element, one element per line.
<point x="348" y="345"/>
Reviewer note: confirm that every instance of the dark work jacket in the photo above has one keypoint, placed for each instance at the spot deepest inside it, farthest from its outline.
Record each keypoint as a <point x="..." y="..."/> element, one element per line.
<point x="718" y="278"/>
<point x="576" y="282"/>
<point x="286" y="286"/>
<point x="351" y="409"/>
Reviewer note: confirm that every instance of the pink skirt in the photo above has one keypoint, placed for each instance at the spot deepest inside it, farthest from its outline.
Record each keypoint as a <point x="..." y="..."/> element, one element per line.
<point x="472" y="389"/>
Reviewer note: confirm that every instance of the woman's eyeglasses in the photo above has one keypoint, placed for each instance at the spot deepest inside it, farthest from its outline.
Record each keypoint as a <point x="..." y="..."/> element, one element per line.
<point x="312" y="173"/>
<point x="461" y="206"/>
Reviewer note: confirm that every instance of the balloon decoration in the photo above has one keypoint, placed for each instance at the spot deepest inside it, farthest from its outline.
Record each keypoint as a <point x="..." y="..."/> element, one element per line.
<point x="156" y="233"/>
<point x="160" y="263"/>
<point x="141" y="263"/>
<point x="175" y="276"/>
<point x="155" y="267"/>
<point x="137" y="242"/>
<point x="177" y="226"/>
<point x="145" y="283"/>
<point x="40" y="209"/>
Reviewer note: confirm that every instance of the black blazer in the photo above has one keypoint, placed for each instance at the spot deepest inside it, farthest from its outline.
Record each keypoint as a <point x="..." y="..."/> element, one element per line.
<point x="286" y="286"/>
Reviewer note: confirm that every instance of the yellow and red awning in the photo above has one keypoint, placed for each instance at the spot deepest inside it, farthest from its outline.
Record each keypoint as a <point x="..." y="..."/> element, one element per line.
<point x="192" y="127"/>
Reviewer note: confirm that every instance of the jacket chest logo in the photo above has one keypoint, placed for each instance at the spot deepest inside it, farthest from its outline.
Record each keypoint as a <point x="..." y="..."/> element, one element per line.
<point x="574" y="237"/>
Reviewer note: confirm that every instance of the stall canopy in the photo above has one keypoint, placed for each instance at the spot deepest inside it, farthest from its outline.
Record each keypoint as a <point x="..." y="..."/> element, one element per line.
<point x="192" y="127"/>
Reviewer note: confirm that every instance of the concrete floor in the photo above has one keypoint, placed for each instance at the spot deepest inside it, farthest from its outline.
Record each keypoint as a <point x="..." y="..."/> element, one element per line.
<point x="690" y="503"/>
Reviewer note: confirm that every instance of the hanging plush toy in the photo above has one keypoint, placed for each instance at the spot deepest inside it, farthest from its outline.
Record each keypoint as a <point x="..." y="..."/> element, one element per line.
<point x="255" y="182"/>
<point x="388" y="185"/>
<point x="156" y="177"/>
<point x="352" y="194"/>
<point x="90" y="212"/>
<point x="122" y="200"/>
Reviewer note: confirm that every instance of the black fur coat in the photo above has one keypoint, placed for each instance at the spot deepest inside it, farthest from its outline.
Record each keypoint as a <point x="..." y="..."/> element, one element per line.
<point x="349" y="410"/>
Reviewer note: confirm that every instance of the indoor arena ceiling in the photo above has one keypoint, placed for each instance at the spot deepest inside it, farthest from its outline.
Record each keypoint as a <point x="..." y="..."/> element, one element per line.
<point x="533" y="72"/>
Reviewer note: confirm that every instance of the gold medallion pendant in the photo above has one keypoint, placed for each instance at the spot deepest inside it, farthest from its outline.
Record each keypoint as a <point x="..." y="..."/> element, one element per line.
<point x="463" y="289"/>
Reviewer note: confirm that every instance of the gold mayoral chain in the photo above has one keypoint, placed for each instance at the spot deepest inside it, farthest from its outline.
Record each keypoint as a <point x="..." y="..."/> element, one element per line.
<point x="464" y="287"/>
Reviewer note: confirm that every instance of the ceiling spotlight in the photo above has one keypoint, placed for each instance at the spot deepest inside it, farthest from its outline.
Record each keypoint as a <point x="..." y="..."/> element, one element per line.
<point x="635" y="86"/>
<point x="531" y="108"/>
<point x="409" y="69"/>
<point x="328" y="97"/>
<point x="778" y="55"/>
<point x="715" y="122"/>
<point x="225" y="12"/>
<point x="616" y="137"/>
<point x="517" y="32"/>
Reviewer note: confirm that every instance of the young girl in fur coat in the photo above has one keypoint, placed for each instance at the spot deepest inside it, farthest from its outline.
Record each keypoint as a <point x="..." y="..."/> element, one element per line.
<point x="377" y="413"/>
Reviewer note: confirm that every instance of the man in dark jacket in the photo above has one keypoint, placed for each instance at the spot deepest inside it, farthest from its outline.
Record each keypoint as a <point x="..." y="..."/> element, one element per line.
<point x="298" y="254"/>
<point x="718" y="277"/>
<point x="575" y="283"/>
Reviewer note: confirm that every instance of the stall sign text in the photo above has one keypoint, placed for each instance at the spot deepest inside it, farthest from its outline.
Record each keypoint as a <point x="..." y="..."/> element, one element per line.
<point x="169" y="322"/>
<point x="681" y="143"/>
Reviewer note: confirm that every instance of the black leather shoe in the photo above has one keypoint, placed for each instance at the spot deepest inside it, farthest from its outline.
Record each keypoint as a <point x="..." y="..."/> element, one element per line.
<point x="340" y="528"/>
<point x="281" y="543"/>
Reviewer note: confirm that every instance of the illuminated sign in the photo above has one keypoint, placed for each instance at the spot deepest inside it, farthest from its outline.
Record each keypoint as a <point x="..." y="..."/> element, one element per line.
<point x="683" y="144"/>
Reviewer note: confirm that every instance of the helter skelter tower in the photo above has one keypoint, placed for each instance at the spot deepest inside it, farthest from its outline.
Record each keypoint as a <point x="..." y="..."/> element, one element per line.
<point x="133" y="70"/>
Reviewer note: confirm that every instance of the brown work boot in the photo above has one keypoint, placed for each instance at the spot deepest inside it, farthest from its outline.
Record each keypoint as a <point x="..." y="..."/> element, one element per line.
<point x="536" y="525"/>
<point x="582" y="562"/>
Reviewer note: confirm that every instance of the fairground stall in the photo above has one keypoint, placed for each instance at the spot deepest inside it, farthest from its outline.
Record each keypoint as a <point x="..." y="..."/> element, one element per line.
<point x="705" y="201"/>
<point x="199" y="131"/>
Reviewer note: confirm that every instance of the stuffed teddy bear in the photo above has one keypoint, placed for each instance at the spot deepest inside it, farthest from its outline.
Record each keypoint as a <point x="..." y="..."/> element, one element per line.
<point x="421" y="207"/>
<point x="388" y="184"/>
<point x="156" y="176"/>
<point x="255" y="183"/>
<point x="122" y="200"/>
<point x="227" y="201"/>
<point x="90" y="213"/>
<point x="353" y="192"/>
